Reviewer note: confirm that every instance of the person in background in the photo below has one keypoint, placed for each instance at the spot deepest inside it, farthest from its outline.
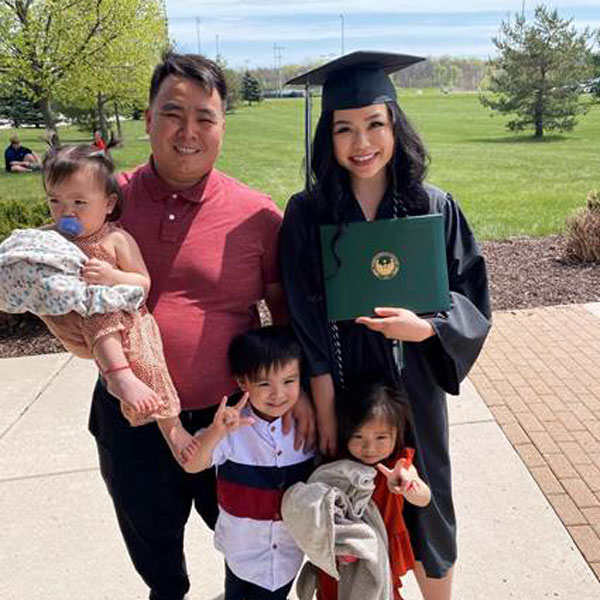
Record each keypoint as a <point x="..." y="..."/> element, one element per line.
<point x="98" y="141"/>
<point x="20" y="159"/>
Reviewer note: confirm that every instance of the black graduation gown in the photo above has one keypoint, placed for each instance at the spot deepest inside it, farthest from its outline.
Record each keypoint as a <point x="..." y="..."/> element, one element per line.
<point x="431" y="368"/>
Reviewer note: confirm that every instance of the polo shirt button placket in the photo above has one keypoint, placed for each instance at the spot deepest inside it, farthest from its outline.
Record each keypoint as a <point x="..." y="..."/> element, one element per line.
<point x="169" y="225"/>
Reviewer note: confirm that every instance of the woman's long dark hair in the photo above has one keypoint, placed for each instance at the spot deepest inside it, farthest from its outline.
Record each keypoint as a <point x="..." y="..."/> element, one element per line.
<point x="331" y="183"/>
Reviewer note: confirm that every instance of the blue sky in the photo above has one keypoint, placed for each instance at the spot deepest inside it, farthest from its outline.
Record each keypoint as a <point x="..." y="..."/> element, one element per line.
<point x="247" y="30"/>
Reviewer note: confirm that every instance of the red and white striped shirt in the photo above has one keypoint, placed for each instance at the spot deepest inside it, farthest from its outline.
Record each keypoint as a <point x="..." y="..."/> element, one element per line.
<point x="255" y="465"/>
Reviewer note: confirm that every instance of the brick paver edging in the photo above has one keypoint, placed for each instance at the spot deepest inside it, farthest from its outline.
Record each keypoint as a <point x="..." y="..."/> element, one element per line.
<point x="539" y="374"/>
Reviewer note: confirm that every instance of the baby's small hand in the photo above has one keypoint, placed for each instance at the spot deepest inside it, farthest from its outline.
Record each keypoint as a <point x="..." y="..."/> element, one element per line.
<point x="98" y="272"/>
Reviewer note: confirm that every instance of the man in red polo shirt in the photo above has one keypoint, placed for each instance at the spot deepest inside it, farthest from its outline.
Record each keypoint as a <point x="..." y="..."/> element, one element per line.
<point x="210" y="244"/>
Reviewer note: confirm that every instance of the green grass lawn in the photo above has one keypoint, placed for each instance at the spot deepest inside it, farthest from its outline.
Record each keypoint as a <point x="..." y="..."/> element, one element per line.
<point x="508" y="185"/>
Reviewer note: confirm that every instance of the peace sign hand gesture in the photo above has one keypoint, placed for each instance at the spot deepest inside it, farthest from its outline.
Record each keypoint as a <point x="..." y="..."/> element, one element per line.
<point x="399" y="478"/>
<point x="404" y="479"/>
<point x="229" y="418"/>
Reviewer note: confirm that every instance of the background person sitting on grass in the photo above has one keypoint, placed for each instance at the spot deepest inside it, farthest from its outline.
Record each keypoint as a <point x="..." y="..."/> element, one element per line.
<point x="19" y="159"/>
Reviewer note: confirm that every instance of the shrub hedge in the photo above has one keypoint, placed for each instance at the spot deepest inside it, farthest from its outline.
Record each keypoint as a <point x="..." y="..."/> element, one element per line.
<point x="20" y="214"/>
<point x="583" y="231"/>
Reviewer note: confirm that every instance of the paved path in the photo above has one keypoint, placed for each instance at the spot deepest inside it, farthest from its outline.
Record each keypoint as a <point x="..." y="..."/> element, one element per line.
<point x="539" y="374"/>
<point x="59" y="538"/>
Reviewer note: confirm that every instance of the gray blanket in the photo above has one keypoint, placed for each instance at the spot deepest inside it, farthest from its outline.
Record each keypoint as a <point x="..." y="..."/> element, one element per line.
<point x="332" y="514"/>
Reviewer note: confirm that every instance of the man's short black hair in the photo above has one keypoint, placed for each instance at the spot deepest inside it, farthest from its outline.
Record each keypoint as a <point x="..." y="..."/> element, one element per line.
<point x="260" y="350"/>
<point x="205" y="72"/>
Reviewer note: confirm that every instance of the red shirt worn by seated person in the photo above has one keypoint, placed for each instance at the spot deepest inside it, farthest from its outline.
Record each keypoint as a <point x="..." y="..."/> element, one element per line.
<point x="210" y="251"/>
<point x="99" y="143"/>
<point x="400" y="550"/>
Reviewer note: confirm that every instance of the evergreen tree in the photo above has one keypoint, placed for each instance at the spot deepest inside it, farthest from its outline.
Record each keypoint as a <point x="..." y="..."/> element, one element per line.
<point x="538" y="73"/>
<point x="595" y="83"/>
<point x="251" y="91"/>
<point x="20" y="110"/>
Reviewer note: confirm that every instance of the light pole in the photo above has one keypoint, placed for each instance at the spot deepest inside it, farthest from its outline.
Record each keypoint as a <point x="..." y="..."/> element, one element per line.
<point x="198" y="35"/>
<point x="277" y="64"/>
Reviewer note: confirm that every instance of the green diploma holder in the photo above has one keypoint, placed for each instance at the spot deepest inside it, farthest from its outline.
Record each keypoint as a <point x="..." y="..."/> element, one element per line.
<point x="391" y="262"/>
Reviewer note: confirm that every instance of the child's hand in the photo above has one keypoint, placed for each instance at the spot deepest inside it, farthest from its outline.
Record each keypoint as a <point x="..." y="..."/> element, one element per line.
<point x="98" y="272"/>
<point x="402" y="478"/>
<point x="229" y="418"/>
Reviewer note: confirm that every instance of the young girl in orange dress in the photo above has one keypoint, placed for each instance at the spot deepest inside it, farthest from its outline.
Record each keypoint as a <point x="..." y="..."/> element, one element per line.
<point x="373" y="423"/>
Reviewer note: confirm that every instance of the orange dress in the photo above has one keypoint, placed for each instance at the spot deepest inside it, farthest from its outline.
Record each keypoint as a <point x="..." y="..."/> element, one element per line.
<point x="400" y="550"/>
<point x="139" y="335"/>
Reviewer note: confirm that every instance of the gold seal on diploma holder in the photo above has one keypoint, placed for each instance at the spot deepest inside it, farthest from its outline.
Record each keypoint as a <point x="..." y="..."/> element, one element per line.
<point x="385" y="265"/>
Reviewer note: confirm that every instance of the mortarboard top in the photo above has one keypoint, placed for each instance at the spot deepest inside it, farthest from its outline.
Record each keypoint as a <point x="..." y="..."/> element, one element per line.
<point x="357" y="79"/>
<point x="351" y="81"/>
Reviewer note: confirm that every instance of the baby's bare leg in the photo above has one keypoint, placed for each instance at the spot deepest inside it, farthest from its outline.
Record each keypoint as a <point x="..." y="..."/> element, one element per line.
<point x="120" y="379"/>
<point x="179" y="440"/>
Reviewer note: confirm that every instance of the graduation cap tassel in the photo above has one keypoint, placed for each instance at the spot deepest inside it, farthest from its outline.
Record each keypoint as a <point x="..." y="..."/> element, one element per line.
<point x="307" y="136"/>
<point x="336" y="347"/>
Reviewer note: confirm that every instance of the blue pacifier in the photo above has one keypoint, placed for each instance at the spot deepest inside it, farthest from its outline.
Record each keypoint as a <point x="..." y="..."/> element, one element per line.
<point x="70" y="226"/>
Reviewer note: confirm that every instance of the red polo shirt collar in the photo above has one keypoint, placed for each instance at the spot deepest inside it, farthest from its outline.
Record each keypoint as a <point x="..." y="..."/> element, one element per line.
<point x="158" y="191"/>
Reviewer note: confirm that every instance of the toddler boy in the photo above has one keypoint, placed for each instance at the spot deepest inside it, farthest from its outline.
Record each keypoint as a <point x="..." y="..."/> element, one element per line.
<point x="255" y="464"/>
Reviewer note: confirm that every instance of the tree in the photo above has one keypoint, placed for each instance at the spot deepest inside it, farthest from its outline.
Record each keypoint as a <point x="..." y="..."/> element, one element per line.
<point x="595" y="83"/>
<point x="538" y="73"/>
<point x="118" y="78"/>
<point x="447" y="73"/>
<point x="251" y="91"/>
<point x="19" y="109"/>
<point x="50" y="48"/>
<point x="233" y="83"/>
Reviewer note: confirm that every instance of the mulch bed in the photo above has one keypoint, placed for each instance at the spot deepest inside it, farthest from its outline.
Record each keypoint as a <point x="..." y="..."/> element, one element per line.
<point x="529" y="272"/>
<point x="524" y="273"/>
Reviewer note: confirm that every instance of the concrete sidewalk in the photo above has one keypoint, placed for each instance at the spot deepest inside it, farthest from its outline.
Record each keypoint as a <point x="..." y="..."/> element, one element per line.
<point x="60" y="541"/>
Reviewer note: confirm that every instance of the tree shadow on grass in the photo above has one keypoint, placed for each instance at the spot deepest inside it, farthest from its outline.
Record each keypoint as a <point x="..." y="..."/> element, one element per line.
<point x="520" y="139"/>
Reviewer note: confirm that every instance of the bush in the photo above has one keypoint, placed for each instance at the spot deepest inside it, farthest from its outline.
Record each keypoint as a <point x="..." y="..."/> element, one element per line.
<point x="20" y="214"/>
<point x="583" y="231"/>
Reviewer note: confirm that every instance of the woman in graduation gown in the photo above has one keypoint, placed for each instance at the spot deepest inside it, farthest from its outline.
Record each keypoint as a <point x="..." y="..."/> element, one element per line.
<point x="369" y="163"/>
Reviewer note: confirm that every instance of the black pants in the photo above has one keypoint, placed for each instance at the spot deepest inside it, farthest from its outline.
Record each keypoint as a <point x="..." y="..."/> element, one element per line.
<point x="238" y="589"/>
<point x="151" y="493"/>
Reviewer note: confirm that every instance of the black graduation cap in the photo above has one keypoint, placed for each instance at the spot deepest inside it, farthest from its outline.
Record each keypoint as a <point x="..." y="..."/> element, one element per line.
<point x="351" y="81"/>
